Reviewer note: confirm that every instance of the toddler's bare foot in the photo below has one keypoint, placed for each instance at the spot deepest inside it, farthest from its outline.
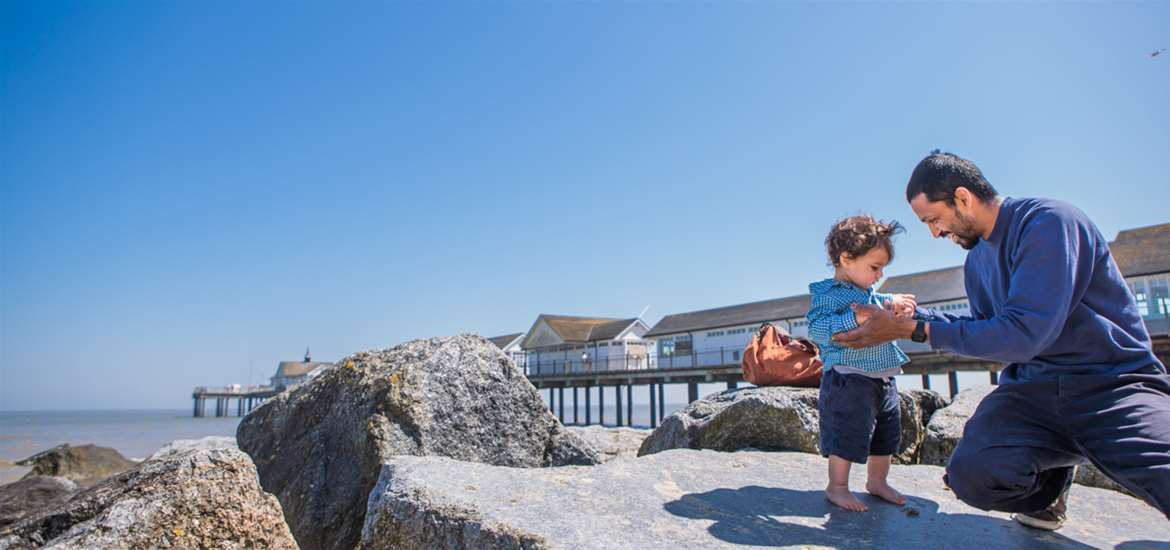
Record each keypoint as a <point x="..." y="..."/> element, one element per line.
<point x="882" y="490"/>
<point x="843" y="497"/>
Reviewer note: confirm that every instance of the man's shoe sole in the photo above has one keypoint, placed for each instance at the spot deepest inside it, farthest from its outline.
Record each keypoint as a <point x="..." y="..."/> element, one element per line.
<point x="1037" y="523"/>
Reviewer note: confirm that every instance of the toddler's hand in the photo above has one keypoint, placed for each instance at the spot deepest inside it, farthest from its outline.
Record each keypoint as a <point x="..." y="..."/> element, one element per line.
<point x="903" y="304"/>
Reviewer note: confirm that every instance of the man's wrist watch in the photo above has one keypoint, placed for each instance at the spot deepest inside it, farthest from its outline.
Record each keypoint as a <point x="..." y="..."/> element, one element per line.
<point x="919" y="334"/>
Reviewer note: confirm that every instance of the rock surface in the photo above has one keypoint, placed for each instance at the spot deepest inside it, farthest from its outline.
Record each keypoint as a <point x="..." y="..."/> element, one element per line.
<point x="31" y="495"/>
<point x="196" y="499"/>
<point x="946" y="425"/>
<point x="946" y="428"/>
<point x="183" y="445"/>
<point x="86" y="465"/>
<point x="769" y="418"/>
<point x="611" y="442"/>
<point x="705" y="499"/>
<point x="319" y="447"/>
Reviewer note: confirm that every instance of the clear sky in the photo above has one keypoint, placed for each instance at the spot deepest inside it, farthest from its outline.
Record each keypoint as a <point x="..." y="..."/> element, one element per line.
<point x="190" y="188"/>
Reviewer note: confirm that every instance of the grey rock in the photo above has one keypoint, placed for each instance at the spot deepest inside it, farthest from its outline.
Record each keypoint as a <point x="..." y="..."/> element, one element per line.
<point x="1090" y="475"/>
<point x="946" y="428"/>
<point x="84" y="464"/>
<point x="946" y="425"/>
<point x="929" y="401"/>
<point x="195" y="499"/>
<point x="767" y="418"/>
<point x="30" y="495"/>
<point x="184" y="445"/>
<point x="319" y="447"/>
<point x="611" y="442"/>
<point x="704" y="499"/>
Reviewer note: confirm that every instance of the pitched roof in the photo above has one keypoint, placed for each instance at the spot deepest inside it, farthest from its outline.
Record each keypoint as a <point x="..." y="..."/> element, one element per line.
<point x="938" y="285"/>
<point x="503" y="341"/>
<point x="1142" y="251"/>
<point x="297" y="368"/>
<point x="742" y="314"/>
<point x="586" y="329"/>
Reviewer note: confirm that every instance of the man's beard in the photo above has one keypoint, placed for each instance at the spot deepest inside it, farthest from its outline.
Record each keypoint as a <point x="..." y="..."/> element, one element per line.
<point x="964" y="235"/>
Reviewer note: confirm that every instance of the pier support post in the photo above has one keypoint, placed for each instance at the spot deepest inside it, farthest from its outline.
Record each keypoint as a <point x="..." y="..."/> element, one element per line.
<point x="953" y="382"/>
<point x="692" y="392"/>
<point x="240" y="407"/>
<point x="653" y="407"/>
<point x="630" y="405"/>
<point x="588" y="409"/>
<point x="732" y="384"/>
<point x="601" y="405"/>
<point x="195" y="413"/>
<point x="617" y="392"/>
<point x="994" y="376"/>
<point x="574" y="405"/>
<point x="925" y="381"/>
<point x="561" y="402"/>
<point x="661" y="403"/>
<point x="551" y="407"/>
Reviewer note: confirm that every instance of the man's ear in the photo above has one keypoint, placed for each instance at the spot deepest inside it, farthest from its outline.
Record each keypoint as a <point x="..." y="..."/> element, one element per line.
<point x="963" y="198"/>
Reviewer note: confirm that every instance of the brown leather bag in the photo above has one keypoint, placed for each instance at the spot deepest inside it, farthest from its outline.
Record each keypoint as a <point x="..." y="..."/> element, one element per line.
<point x="773" y="358"/>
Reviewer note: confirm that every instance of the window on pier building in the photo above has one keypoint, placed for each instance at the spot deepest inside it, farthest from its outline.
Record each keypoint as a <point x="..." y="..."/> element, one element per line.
<point x="1159" y="298"/>
<point x="1139" y="295"/>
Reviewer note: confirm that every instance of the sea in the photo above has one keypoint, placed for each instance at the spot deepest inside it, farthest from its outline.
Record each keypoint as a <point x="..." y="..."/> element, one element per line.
<point x="136" y="434"/>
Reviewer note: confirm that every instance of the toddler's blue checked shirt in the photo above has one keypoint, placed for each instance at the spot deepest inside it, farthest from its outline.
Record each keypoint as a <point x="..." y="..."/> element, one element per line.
<point x="830" y="313"/>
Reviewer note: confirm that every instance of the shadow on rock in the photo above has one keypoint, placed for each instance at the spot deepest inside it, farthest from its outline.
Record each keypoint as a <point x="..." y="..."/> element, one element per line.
<point x="769" y="516"/>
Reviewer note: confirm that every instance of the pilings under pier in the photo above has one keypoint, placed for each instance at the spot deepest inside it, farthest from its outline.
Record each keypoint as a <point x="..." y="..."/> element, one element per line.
<point x="246" y="399"/>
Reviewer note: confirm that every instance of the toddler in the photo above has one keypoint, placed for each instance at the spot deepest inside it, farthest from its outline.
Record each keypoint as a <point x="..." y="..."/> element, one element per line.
<point x="859" y="408"/>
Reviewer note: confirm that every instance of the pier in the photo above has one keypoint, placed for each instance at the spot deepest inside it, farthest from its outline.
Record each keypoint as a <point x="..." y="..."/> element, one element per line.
<point x="247" y="398"/>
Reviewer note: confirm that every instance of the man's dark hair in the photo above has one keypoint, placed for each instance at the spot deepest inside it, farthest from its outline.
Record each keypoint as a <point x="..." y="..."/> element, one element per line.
<point x="939" y="174"/>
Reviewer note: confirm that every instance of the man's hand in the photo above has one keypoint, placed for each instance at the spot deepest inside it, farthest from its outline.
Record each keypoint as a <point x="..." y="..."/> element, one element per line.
<point x="878" y="326"/>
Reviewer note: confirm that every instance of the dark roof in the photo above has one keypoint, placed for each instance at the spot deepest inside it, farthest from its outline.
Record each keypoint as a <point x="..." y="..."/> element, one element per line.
<point x="503" y="341"/>
<point x="939" y="285"/>
<point x="742" y="314"/>
<point x="1142" y="251"/>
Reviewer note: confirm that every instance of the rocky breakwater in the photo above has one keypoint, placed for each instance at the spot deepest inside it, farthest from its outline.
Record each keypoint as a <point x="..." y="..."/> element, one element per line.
<point x="774" y="418"/>
<point x="200" y="498"/>
<point x="320" y="447"/>
<point x="686" y="498"/>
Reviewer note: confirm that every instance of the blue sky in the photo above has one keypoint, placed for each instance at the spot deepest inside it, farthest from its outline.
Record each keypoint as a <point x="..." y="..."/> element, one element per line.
<point x="187" y="188"/>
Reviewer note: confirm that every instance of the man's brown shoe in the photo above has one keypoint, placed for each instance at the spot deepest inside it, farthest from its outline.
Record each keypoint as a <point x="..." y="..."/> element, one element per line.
<point x="1052" y="517"/>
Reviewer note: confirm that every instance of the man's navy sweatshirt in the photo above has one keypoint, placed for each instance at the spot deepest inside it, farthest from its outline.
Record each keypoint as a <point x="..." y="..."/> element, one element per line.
<point x="1047" y="298"/>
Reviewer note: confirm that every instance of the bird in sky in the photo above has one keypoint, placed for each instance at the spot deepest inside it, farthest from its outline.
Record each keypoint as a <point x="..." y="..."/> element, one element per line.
<point x="1156" y="53"/>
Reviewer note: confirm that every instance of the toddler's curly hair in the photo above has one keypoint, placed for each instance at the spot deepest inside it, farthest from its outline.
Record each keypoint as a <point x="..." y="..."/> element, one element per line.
<point x="857" y="235"/>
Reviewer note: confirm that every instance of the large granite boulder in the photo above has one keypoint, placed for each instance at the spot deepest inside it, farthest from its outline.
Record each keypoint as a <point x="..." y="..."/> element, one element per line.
<point x="769" y="418"/>
<point x="704" y="499"/>
<point x="611" y="442"/>
<point x="946" y="428"/>
<point x="197" y="499"/>
<point x="30" y="495"/>
<point x="86" y="465"/>
<point x="319" y="447"/>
